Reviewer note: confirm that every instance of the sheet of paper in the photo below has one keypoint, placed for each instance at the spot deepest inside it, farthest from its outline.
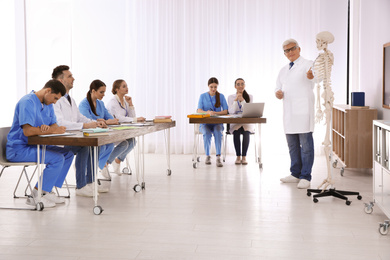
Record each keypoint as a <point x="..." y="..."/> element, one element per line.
<point x="49" y="135"/>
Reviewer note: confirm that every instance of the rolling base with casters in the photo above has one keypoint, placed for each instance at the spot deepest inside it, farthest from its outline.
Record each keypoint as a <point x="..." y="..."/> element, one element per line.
<point x="334" y="193"/>
<point x="97" y="210"/>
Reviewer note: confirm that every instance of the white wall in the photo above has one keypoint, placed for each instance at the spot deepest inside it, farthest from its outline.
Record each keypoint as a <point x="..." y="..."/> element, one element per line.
<point x="375" y="32"/>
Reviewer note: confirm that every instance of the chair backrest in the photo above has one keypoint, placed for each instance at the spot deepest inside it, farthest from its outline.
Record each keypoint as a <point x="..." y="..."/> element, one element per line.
<point x="3" y="142"/>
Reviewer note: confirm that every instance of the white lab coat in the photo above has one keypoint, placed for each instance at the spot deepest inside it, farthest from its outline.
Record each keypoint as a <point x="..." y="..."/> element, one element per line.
<point x="69" y="115"/>
<point x="234" y="109"/>
<point x="298" y="99"/>
<point x="115" y="109"/>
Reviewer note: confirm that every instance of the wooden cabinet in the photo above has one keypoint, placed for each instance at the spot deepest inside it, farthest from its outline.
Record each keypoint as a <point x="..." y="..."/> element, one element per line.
<point x="352" y="136"/>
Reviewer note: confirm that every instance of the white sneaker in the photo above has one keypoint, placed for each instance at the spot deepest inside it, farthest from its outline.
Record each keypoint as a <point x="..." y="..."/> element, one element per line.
<point x="117" y="168"/>
<point x="34" y="200"/>
<point x="208" y="160"/>
<point x="105" y="173"/>
<point x="218" y="161"/>
<point x="54" y="198"/>
<point x="85" y="191"/>
<point x="289" y="179"/>
<point x="102" y="188"/>
<point x="303" y="184"/>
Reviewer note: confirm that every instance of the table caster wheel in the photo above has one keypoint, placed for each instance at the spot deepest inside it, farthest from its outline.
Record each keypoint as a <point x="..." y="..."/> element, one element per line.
<point x="97" y="210"/>
<point x="348" y="202"/>
<point x="368" y="210"/>
<point x="40" y="206"/>
<point x="98" y="182"/>
<point x="334" y="164"/>
<point x="342" y="171"/>
<point x="126" y="171"/>
<point x="308" y="193"/>
<point x="169" y="172"/>
<point x="195" y="165"/>
<point x="198" y="159"/>
<point x="261" y="166"/>
<point x="359" y="197"/>
<point x="315" y="200"/>
<point x="143" y="185"/>
<point x="369" y="207"/>
<point x="137" y="188"/>
<point x="384" y="228"/>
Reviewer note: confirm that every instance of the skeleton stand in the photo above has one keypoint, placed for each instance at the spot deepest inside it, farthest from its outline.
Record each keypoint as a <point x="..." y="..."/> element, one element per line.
<point x="322" y="67"/>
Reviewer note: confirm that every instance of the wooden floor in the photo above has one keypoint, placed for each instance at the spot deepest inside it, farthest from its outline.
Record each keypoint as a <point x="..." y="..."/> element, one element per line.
<point x="234" y="212"/>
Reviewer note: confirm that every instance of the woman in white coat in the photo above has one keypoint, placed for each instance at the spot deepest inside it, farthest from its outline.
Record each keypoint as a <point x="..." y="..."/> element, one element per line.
<point x="235" y="103"/>
<point x="122" y="108"/>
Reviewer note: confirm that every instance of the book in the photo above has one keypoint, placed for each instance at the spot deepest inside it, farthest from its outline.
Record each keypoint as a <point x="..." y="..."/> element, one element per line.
<point x="198" y="115"/>
<point x="167" y="120"/>
<point x="95" y="134"/>
<point x="49" y="135"/>
<point x="95" y="130"/>
<point x="162" y="117"/>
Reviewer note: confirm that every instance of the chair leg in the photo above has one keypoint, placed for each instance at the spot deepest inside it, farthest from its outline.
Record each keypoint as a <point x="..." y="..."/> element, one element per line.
<point x="67" y="187"/>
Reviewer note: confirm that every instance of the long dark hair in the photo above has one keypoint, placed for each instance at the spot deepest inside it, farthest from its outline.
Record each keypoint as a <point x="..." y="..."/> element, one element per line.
<point x="95" y="85"/>
<point x="245" y="94"/>
<point x="217" y="99"/>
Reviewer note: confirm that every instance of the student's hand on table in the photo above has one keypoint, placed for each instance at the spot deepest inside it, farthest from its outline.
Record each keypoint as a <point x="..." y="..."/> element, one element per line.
<point x="58" y="129"/>
<point x="279" y="94"/>
<point x="44" y="128"/>
<point x="114" y="121"/>
<point x="90" y="125"/>
<point x="101" y="124"/>
<point x="141" y="119"/>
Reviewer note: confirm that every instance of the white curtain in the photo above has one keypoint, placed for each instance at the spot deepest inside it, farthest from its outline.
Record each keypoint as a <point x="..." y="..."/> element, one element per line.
<point x="167" y="50"/>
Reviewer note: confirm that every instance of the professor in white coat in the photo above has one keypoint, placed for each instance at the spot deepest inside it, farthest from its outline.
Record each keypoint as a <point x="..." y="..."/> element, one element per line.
<point x="295" y="86"/>
<point x="68" y="115"/>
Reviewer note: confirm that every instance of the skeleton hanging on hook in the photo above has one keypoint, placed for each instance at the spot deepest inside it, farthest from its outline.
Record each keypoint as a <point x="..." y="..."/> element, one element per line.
<point x="322" y="70"/>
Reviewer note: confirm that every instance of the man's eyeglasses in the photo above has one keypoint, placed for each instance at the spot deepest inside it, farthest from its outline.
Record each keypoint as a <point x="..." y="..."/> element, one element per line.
<point x="291" y="49"/>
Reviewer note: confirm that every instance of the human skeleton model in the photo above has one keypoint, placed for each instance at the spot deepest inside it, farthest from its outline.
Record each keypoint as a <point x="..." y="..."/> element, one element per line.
<point x="322" y="70"/>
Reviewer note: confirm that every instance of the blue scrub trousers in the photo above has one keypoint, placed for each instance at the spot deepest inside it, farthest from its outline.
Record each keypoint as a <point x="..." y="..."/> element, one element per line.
<point x="301" y="148"/>
<point x="82" y="153"/>
<point x="57" y="160"/>
<point x="122" y="150"/>
<point x="208" y="130"/>
<point x="104" y="153"/>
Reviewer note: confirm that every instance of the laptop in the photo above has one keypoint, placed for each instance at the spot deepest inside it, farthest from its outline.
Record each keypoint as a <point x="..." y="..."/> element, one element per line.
<point x="252" y="110"/>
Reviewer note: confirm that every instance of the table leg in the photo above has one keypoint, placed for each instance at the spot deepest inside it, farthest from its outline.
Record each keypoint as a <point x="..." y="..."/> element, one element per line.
<point x="97" y="210"/>
<point x="259" y="146"/>
<point x="167" y="134"/>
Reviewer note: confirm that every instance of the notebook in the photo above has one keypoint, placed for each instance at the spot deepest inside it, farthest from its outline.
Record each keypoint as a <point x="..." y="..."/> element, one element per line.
<point x="252" y="110"/>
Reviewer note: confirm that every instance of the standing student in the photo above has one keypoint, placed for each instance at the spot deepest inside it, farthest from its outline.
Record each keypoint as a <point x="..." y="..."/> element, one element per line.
<point x="295" y="86"/>
<point x="235" y="103"/>
<point x="68" y="115"/>
<point x="213" y="103"/>
<point x="93" y="108"/>
<point x="122" y="108"/>
<point x="34" y="115"/>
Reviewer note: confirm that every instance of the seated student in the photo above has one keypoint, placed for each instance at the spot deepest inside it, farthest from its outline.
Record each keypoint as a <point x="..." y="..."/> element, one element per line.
<point x="34" y="115"/>
<point x="93" y="108"/>
<point x="235" y="102"/>
<point x="68" y="115"/>
<point x="213" y="103"/>
<point x="121" y="107"/>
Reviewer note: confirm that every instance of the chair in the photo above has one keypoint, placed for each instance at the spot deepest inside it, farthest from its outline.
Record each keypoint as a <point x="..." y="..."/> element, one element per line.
<point x="6" y="164"/>
<point x="257" y="158"/>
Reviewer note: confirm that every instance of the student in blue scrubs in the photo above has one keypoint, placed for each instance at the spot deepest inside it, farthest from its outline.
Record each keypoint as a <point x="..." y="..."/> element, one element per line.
<point x="34" y="115"/>
<point x="93" y="108"/>
<point x="213" y="103"/>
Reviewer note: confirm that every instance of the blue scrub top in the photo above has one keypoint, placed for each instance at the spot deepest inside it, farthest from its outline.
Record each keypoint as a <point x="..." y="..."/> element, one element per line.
<point x="29" y="110"/>
<point x="207" y="102"/>
<point x="101" y="110"/>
